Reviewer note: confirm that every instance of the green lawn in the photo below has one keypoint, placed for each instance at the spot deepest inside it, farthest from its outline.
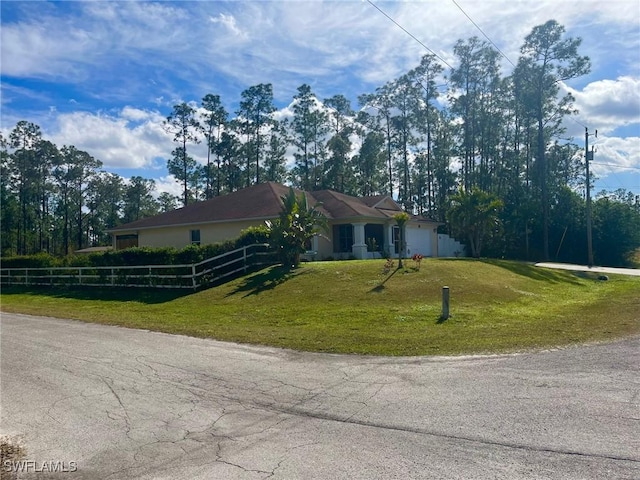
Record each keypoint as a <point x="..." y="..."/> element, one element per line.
<point x="353" y="307"/>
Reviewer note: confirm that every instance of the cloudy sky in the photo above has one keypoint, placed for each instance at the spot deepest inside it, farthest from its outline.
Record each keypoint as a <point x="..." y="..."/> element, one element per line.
<point x="103" y="75"/>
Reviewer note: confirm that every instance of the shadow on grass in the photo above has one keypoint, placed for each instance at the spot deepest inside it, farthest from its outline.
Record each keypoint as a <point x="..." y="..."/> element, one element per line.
<point x="149" y="296"/>
<point x="265" y="280"/>
<point x="531" y="271"/>
<point x="380" y="286"/>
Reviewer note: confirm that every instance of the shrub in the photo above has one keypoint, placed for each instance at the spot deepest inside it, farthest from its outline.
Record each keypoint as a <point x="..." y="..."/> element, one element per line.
<point x="252" y="235"/>
<point x="38" y="260"/>
<point x="141" y="255"/>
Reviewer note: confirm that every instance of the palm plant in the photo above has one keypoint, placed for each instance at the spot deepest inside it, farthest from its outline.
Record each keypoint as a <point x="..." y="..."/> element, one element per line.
<point x="295" y="226"/>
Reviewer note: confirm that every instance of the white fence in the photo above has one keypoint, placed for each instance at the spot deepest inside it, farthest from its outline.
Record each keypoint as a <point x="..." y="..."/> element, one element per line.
<point x="450" y="247"/>
<point x="155" y="276"/>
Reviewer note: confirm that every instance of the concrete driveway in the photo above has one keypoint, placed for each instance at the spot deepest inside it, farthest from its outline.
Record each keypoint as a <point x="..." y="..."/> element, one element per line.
<point x="115" y="403"/>
<point x="584" y="268"/>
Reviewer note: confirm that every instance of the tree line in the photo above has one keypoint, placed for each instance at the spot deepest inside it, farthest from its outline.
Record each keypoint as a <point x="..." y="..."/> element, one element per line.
<point x="501" y="136"/>
<point x="59" y="200"/>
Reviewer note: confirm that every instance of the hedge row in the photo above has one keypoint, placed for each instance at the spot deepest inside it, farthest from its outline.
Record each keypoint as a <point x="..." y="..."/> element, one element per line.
<point x="141" y="255"/>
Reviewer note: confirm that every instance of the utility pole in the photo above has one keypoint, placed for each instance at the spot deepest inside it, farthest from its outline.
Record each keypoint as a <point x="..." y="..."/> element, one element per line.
<point x="588" y="155"/>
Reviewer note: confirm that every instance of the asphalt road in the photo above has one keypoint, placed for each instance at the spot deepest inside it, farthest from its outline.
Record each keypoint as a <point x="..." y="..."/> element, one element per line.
<point x="132" y="404"/>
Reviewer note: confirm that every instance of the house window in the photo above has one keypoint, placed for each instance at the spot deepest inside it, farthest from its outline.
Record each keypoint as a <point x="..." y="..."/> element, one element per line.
<point x="195" y="237"/>
<point x="342" y="238"/>
<point x="126" y="241"/>
<point x="396" y="238"/>
<point x="308" y="245"/>
<point x="374" y="237"/>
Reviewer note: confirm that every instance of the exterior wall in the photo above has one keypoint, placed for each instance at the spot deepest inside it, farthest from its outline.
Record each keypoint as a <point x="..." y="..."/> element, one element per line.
<point x="419" y="240"/>
<point x="164" y="237"/>
<point x="324" y="247"/>
<point x="180" y="236"/>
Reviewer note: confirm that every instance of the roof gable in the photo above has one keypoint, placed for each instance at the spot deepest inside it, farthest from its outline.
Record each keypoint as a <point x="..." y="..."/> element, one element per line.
<point x="384" y="202"/>
<point x="338" y="205"/>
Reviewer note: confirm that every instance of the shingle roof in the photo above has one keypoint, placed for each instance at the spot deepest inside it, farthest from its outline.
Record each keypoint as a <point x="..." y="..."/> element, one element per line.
<point x="260" y="201"/>
<point x="373" y="200"/>
<point x="338" y="205"/>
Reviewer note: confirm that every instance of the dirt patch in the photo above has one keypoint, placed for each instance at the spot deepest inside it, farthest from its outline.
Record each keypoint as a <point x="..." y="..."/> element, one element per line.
<point x="12" y="450"/>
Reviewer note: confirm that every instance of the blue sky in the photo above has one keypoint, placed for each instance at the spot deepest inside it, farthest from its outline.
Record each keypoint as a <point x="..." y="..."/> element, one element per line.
<point x="103" y="75"/>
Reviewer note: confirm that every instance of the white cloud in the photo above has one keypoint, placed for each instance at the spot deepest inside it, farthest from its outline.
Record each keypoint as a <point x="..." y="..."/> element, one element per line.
<point x="322" y="42"/>
<point x="145" y="53"/>
<point x="615" y="155"/>
<point x="138" y="115"/>
<point x="132" y="139"/>
<point x="229" y="22"/>
<point x="34" y="49"/>
<point x="170" y="185"/>
<point x="609" y="104"/>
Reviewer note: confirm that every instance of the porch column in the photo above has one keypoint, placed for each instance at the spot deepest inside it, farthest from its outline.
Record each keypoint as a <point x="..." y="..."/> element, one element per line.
<point x="359" y="248"/>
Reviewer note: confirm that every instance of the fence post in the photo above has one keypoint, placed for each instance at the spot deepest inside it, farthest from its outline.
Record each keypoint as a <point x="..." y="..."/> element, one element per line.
<point x="193" y="275"/>
<point x="244" y="258"/>
<point x="445" y="303"/>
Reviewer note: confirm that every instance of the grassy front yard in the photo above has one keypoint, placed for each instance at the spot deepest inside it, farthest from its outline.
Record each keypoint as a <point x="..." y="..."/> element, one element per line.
<point x="353" y="307"/>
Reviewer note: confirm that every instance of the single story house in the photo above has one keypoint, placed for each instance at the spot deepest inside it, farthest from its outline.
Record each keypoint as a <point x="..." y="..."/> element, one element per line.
<point x="359" y="227"/>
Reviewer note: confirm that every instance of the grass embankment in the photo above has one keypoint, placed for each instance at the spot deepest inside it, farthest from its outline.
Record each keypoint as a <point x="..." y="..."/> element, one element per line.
<point x="353" y="307"/>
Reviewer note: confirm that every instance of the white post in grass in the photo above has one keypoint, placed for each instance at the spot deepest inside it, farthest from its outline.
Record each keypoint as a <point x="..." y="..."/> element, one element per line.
<point x="445" y="303"/>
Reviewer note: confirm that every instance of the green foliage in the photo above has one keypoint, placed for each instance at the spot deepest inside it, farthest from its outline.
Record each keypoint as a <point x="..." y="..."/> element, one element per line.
<point x="253" y="235"/>
<point x="215" y="117"/>
<point x="141" y="255"/>
<point x="616" y="228"/>
<point x="295" y="226"/>
<point x="183" y="124"/>
<point x="548" y="58"/>
<point x="308" y="128"/>
<point x="474" y="215"/>
<point x="256" y="111"/>
<point x="215" y="249"/>
<point x="31" y="261"/>
<point x="401" y="218"/>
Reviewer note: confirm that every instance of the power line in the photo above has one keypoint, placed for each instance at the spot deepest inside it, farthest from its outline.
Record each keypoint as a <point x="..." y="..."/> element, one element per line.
<point x="500" y="51"/>
<point x="409" y="33"/>
<point x="615" y="165"/>
<point x="495" y="46"/>
<point x="578" y="122"/>
<point x="482" y="32"/>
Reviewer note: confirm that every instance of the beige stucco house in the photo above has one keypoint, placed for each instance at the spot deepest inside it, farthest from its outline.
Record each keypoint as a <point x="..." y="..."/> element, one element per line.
<point x="359" y="227"/>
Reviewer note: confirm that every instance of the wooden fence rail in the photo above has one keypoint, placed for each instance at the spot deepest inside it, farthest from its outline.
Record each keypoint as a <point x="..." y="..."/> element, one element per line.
<point x="191" y="276"/>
